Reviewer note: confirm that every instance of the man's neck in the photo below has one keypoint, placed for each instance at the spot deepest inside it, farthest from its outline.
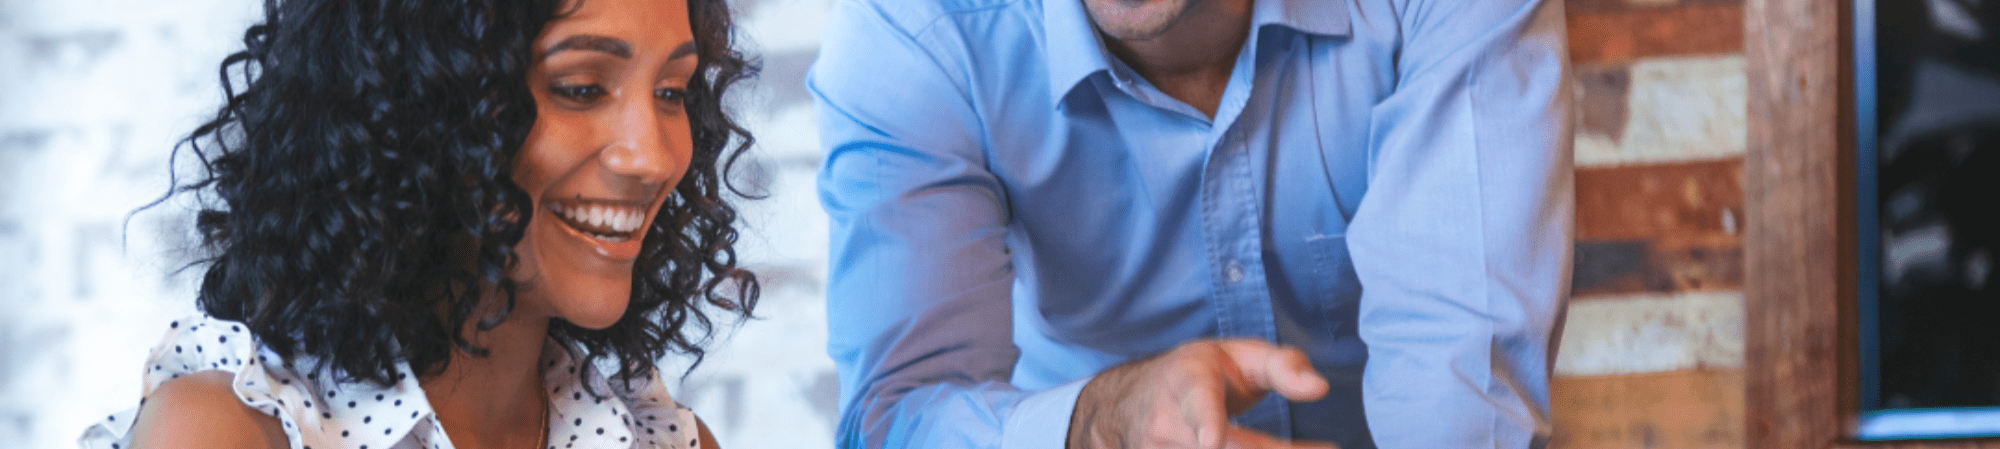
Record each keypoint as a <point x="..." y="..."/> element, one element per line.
<point x="1192" y="60"/>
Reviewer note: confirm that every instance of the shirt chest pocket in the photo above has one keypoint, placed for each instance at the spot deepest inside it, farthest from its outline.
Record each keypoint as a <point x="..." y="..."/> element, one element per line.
<point x="1320" y="294"/>
<point x="1332" y="283"/>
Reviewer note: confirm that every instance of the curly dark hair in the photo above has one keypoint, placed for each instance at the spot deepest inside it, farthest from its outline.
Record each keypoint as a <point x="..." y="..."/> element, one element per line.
<point x="365" y="165"/>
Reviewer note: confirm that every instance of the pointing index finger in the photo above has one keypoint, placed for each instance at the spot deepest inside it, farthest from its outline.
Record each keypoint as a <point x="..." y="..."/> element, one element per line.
<point x="1273" y="368"/>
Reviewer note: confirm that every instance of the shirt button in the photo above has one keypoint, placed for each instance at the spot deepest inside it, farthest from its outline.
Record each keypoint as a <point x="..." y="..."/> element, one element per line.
<point x="1234" y="272"/>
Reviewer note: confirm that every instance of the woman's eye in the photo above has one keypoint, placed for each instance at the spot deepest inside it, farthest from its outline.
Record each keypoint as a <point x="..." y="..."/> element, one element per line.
<point x="673" y="96"/>
<point x="578" y="92"/>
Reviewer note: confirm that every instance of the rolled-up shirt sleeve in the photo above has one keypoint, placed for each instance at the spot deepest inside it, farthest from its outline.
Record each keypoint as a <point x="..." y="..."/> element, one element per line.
<point x="1463" y="241"/>
<point x="918" y="293"/>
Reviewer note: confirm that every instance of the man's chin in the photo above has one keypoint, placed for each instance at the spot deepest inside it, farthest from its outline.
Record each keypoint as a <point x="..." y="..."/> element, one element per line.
<point x="1136" y="20"/>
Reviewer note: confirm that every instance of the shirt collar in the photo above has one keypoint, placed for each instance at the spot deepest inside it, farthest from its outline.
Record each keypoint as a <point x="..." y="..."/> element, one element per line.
<point x="1073" y="47"/>
<point x="1075" y="50"/>
<point x="610" y="413"/>
<point x="361" y="413"/>
<point x="381" y="417"/>
<point x="580" y="416"/>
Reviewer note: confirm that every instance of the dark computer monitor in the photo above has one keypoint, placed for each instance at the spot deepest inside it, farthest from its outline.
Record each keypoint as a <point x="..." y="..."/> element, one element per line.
<point x="1927" y="103"/>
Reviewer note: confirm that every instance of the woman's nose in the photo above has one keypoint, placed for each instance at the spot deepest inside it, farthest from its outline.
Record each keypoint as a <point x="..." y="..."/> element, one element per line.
<point x="639" y="144"/>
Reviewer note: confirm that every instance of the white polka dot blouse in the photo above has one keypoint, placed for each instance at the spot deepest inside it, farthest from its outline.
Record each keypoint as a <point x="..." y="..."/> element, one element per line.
<point x="319" y="412"/>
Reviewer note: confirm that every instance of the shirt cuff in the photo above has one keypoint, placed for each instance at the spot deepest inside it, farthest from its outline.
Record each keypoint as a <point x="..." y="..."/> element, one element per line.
<point x="1041" y="420"/>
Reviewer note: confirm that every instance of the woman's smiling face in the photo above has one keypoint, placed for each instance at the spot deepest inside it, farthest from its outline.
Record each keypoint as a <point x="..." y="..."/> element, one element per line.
<point x="611" y="139"/>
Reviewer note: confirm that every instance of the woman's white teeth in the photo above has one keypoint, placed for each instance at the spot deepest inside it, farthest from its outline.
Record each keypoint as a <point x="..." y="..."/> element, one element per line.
<point x="613" y="218"/>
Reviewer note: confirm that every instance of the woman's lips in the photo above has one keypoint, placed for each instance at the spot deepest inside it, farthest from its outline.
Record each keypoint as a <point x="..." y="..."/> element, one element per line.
<point x="601" y="220"/>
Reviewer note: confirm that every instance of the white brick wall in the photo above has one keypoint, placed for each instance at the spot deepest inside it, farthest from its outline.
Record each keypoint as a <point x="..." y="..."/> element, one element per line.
<point x="93" y="93"/>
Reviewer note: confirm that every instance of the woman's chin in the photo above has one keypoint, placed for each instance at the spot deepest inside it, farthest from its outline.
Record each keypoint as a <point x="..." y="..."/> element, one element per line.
<point x="595" y="313"/>
<point x="587" y="303"/>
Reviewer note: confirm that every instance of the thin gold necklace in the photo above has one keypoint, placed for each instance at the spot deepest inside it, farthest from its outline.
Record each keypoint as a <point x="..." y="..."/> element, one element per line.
<point x="545" y="422"/>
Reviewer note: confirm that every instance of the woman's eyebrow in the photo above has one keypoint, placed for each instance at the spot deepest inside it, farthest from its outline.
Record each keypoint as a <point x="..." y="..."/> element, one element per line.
<point x="591" y="42"/>
<point x="686" y="48"/>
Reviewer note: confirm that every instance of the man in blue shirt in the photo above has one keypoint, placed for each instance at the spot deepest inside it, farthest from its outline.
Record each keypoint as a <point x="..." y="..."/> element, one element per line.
<point x="1118" y="223"/>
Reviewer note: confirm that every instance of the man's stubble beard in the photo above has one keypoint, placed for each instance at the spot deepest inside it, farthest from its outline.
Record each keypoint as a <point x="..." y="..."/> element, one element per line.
<point x="1137" y="20"/>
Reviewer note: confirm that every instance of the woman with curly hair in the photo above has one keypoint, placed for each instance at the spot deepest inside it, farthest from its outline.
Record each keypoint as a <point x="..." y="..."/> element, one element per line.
<point x="455" y="223"/>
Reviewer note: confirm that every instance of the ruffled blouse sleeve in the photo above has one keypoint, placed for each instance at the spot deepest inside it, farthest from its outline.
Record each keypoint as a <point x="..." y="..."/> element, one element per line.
<point x="202" y="343"/>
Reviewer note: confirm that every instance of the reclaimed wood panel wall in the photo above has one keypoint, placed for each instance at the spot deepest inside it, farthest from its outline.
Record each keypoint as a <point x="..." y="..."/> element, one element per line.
<point x="1652" y="353"/>
<point x="1792" y="289"/>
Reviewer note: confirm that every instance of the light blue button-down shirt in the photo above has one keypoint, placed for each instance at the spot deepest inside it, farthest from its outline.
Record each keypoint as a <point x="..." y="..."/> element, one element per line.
<point x="1385" y="185"/>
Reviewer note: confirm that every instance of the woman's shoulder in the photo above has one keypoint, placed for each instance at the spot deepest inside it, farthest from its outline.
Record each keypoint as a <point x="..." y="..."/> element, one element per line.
<point x="201" y="410"/>
<point x="221" y="386"/>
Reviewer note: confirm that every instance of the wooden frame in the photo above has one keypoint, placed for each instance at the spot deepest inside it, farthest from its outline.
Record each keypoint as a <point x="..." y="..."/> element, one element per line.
<point x="1799" y="392"/>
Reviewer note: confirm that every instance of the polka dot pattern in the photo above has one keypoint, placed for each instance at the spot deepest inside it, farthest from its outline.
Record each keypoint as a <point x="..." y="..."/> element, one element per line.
<point x="597" y="412"/>
<point x="321" y="412"/>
